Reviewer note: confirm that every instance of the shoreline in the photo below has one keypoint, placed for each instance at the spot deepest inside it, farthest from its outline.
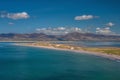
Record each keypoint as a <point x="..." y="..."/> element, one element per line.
<point x="105" y="55"/>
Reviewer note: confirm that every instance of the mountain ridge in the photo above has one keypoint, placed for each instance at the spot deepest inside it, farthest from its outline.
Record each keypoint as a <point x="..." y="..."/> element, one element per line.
<point x="75" y="36"/>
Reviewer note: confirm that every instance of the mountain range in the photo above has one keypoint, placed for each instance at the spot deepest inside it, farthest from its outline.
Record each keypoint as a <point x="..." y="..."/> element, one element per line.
<point x="75" y="36"/>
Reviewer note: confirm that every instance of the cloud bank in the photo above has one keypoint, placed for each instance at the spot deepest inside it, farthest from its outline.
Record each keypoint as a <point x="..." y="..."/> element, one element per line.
<point x="106" y="30"/>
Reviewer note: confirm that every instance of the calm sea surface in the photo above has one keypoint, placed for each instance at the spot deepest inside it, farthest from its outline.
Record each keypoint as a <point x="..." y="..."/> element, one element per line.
<point x="27" y="63"/>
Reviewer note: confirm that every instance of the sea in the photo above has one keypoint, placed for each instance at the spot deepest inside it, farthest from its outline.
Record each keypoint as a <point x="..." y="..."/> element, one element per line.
<point x="30" y="63"/>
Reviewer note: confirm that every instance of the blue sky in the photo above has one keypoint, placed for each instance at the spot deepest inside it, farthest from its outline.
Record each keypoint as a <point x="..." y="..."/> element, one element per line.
<point x="24" y="16"/>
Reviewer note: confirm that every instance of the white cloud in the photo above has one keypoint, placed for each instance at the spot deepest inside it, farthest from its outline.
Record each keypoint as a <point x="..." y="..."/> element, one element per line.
<point x="105" y="31"/>
<point x="10" y="23"/>
<point x="110" y="24"/>
<point x="38" y="29"/>
<point x="15" y="16"/>
<point x="85" y="17"/>
<point x="22" y="15"/>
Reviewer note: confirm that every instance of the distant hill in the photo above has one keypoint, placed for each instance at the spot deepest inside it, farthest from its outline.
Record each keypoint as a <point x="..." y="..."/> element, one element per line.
<point x="90" y="37"/>
<point x="75" y="36"/>
<point x="24" y="37"/>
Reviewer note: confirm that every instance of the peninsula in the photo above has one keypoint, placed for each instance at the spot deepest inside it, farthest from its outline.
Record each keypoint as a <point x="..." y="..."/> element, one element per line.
<point x="109" y="52"/>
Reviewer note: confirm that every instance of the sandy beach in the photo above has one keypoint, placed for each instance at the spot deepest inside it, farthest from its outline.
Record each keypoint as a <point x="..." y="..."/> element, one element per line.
<point x="105" y="55"/>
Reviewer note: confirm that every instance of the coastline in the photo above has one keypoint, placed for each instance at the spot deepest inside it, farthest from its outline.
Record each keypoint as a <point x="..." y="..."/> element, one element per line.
<point x="105" y="55"/>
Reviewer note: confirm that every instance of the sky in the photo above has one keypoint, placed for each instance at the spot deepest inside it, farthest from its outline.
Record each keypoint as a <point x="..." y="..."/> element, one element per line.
<point x="24" y="16"/>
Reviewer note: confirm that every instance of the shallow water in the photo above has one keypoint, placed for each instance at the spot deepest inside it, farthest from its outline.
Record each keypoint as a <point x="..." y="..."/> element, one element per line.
<point x="27" y="63"/>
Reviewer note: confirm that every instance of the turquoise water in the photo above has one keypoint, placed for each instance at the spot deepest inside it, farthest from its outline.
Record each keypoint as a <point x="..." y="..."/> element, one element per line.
<point x="27" y="63"/>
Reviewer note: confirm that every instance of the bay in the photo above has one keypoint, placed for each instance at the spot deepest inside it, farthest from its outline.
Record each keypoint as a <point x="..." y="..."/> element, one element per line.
<point x="28" y="63"/>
